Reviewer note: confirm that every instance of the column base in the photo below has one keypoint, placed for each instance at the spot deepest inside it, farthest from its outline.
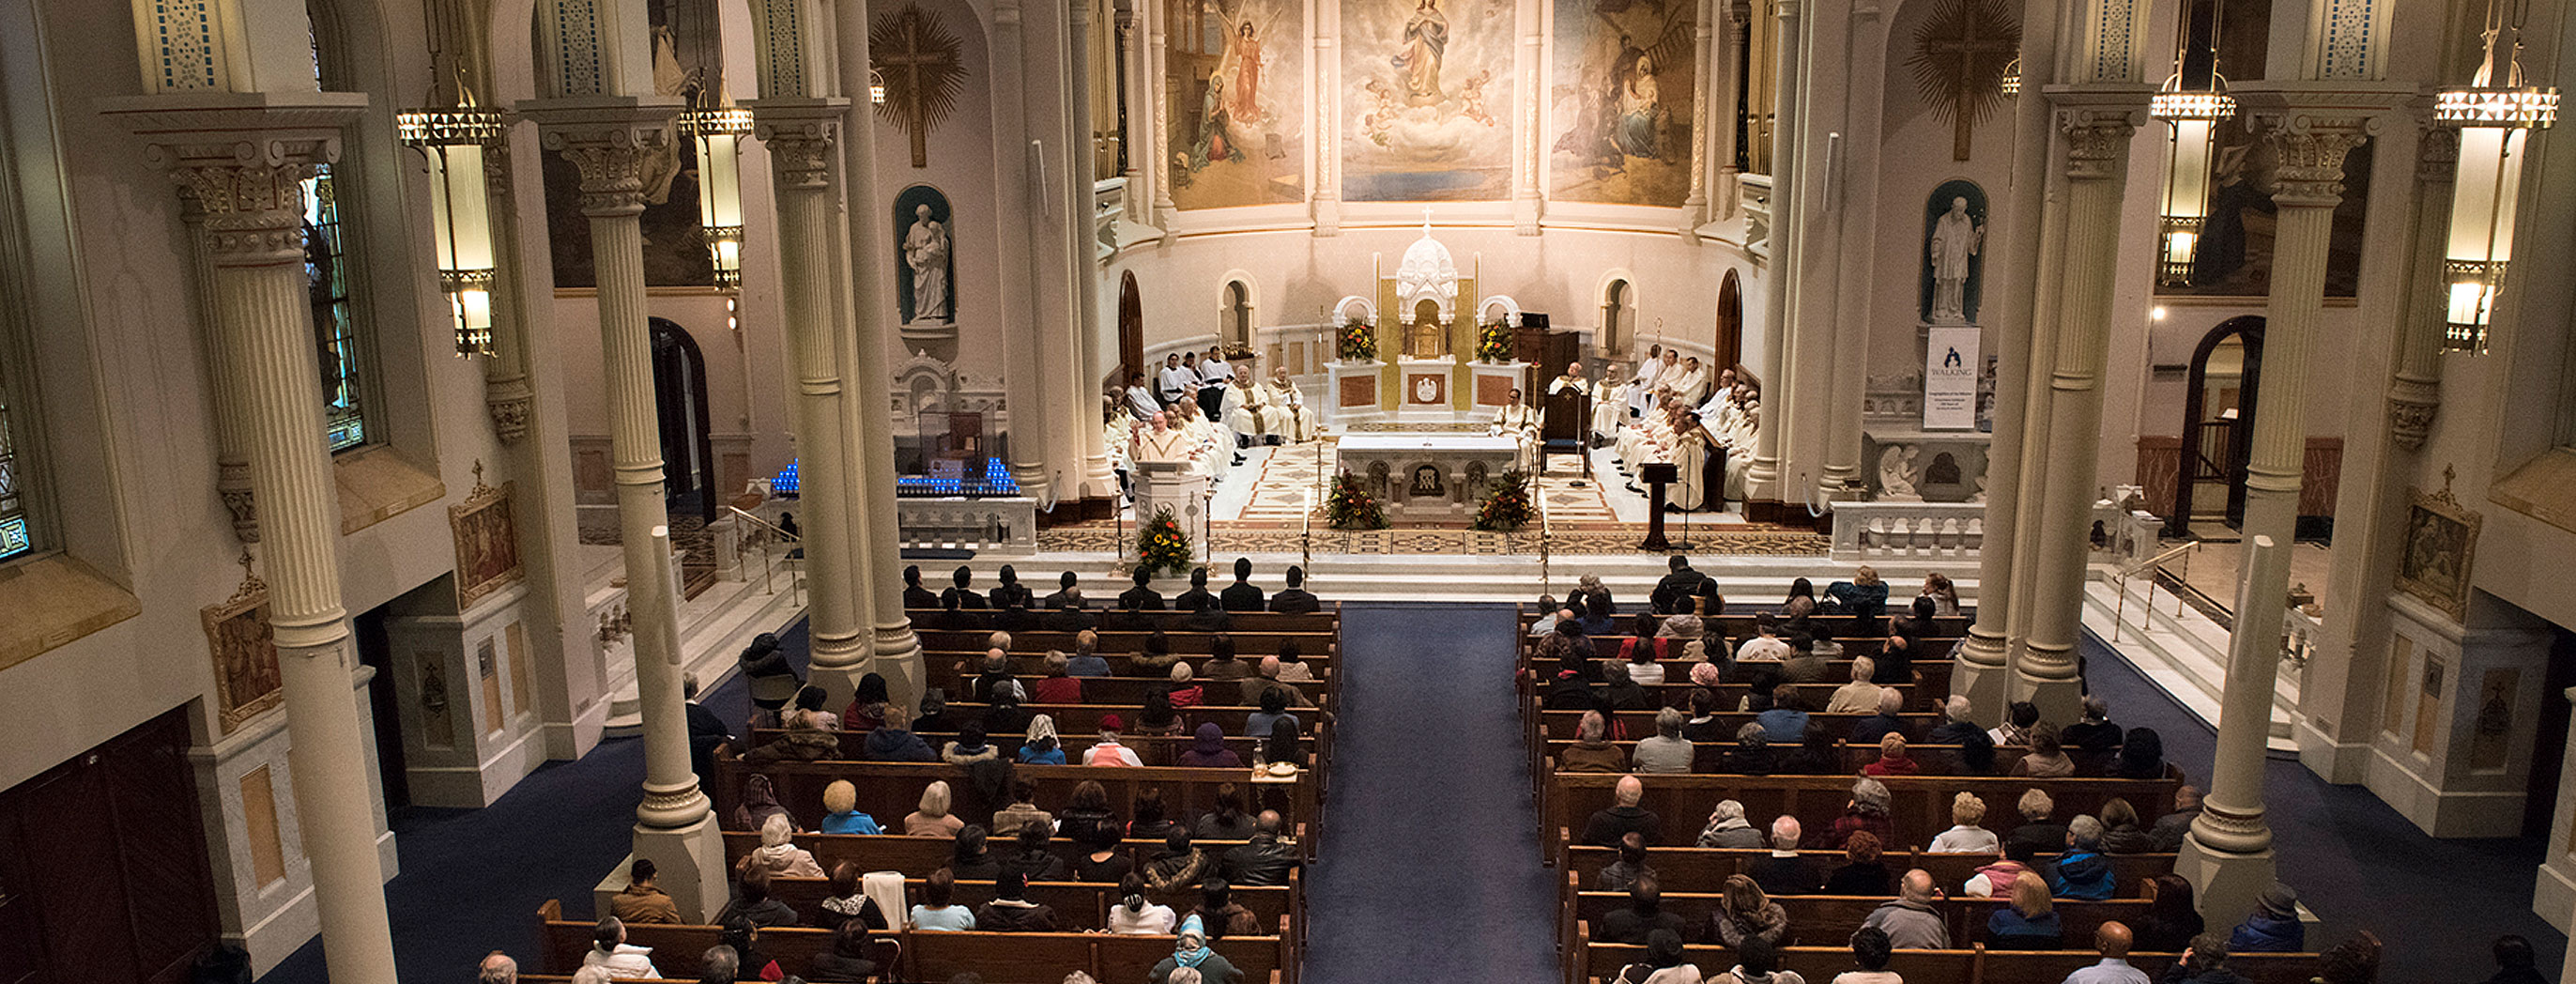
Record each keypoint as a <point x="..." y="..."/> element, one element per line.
<point x="898" y="658"/>
<point x="2229" y="883"/>
<point x="691" y="866"/>
<point x="2341" y="763"/>
<point x="1987" y="686"/>
<point x="2059" y="699"/>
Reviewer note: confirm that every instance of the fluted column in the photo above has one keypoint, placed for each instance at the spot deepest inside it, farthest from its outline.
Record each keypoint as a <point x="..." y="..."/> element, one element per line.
<point x="609" y="139"/>
<point x="2097" y="153"/>
<point x="1762" y="478"/>
<point x="1023" y="371"/>
<point x="1158" y="15"/>
<point x="241" y="173"/>
<point x="1090" y="443"/>
<point x="1703" y="115"/>
<point x="1142" y="143"/>
<point x="1729" y="146"/>
<point x="2339" y="698"/>
<point x="1979" y="671"/>
<point x="893" y="649"/>
<point x="803" y="136"/>
<point x="507" y="397"/>
<point x="2228" y="852"/>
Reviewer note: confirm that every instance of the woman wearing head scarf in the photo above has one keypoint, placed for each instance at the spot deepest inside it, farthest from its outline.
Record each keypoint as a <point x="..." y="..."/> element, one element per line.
<point x="759" y="802"/>
<point x="1208" y="751"/>
<point x="1040" y="747"/>
<point x="867" y="709"/>
<point x="778" y="853"/>
<point x="1193" y="961"/>
<point x="933" y="818"/>
<point x="842" y="799"/>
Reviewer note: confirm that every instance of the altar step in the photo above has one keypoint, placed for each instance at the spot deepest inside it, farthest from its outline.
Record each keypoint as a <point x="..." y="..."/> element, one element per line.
<point x="2183" y="652"/>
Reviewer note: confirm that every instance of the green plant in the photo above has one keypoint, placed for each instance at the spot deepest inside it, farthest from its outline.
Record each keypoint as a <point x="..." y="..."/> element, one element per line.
<point x="1494" y="343"/>
<point x="1350" y="507"/>
<point x="1163" y="546"/>
<point x="1357" y="342"/>
<point x="1506" y="505"/>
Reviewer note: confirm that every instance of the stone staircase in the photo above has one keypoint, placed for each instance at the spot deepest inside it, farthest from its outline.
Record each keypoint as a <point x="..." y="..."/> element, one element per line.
<point x="714" y="627"/>
<point x="2180" y="649"/>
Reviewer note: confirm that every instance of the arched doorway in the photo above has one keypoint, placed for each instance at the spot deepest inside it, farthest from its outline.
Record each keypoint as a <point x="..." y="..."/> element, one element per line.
<point x="1238" y="315"/>
<point x="1131" y="327"/>
<point x="680" y="406"/>
<point x="1729" y="345"/>
<point x="1618" y="319"/>
<point x="2218" y="425"/>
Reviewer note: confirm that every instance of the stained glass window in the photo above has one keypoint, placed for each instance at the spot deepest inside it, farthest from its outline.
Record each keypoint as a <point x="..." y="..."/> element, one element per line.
<point x="15" y="538"/>
<point x="335" y="334"/>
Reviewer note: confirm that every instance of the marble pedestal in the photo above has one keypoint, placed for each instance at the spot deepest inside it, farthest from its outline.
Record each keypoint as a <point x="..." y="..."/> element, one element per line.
<point x="1352" y="391"/>
<point x="1170" y="485"/>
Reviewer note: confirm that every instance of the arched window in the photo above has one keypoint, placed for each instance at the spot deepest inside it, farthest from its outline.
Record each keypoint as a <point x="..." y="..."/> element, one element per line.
<point x="329" y="269"/>
<point x="1238" y="314"/>
<point x="1618" y="317"/>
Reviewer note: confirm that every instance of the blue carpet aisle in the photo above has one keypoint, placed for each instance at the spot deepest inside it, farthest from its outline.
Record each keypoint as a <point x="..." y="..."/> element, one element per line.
<point x="2437" y="904"/>
<point x="472" y="879"/>
<point x="1431" y="871"/>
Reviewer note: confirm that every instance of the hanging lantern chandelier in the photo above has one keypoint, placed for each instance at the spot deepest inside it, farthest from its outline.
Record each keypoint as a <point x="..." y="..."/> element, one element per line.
<point x="2193" y="103"/>
<point x="455" y="139"/>
<point x="2495" y="114"/>
<point x="716" y="129"/>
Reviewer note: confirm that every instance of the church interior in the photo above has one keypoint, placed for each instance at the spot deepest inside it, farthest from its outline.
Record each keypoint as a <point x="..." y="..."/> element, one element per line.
<point x="1491" y="436"/>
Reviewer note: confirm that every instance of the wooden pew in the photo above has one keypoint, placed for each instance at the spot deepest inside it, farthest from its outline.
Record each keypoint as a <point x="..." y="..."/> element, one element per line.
<point x="1703" y="869"/>
<point x="1594" y="961"/>
<point x="914" y="856"/>
<point x="1247" y="644"/>
<point x="1557" y="725"/>
<point x="1741" y="618"/>
<point x="1941" y="760"/>
<point x="1327" y="620"/>
<point x="890" y="791"/>
<point x="1085" y="718"/>
<point x="1131" y="691"/>
<point x="1078" y="905"/>
<point x="1920" y="807"/>
<point x="1830" y="919"/>
<point x="1162" y="750"/>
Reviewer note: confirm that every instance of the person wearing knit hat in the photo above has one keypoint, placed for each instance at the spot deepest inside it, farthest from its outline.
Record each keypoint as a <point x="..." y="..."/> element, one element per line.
<point x="2274" y="925"/>
<point x="1109" y="751"/>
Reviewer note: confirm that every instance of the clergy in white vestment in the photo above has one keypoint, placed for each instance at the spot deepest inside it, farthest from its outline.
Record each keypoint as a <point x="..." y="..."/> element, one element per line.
<point x="1177" y="382"/>
<point x="1140" y="402"/>
<point x="1518" y="421"/>
<point x="1692" y="444"/>
<point x="1689" y="385"/>
<point x="1641" y="397"/>
<point x="1291" y="402"/>
<point x="1749" y="422"/>
<point x="1609" y="405"/>
<point x="1251" y="412"/>
<point x="1158" y="440"/>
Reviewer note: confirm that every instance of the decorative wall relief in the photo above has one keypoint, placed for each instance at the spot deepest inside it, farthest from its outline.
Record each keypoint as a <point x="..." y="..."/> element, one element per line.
<point x="1625" y="97"/>
<point x="487" y="544"/>
<point x="2441" y="544"/>
<point x="924" y="239"/>
<point x="1236" y="75"/>
<point x="923" y="63"/>
<point x="247" y="683"/>
<point x="1426" y="90"/>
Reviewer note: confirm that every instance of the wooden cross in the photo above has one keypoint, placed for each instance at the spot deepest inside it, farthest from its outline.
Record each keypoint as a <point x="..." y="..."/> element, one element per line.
<point x="1963" y="48"/>
<point x="911" y="55"/>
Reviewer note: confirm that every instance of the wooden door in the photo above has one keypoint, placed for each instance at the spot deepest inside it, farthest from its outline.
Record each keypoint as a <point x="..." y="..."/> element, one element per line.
<point x="103" y="874"/>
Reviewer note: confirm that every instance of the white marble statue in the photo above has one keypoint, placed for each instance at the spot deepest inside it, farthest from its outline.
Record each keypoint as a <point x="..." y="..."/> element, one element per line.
<point x="1955" y="240"/>
<point x="925" y="250"/>
<point x="1896" y="473"/>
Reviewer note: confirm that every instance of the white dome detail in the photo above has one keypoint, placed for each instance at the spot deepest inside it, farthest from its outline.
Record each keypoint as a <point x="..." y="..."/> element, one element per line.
<point x="1427" y="272"/>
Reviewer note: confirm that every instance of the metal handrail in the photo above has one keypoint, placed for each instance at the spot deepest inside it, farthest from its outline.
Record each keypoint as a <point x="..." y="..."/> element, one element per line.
<point x="2187" y="547"/>
<point x="766" y="525"/>
<point x="769" y="557"/>
<point x="2120" y="610"/>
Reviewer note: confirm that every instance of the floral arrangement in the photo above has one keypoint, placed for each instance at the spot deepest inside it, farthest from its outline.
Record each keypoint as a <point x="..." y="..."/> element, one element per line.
<point x="1163" y="546"/>
<point x="1350" y="507"/>
<point x="1358" y="342"/>
<point x="1494" y="343"/>
<point x="1506" y="506"/>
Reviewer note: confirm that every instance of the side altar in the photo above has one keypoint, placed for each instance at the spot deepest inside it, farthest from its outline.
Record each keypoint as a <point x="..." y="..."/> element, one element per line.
<point x="1426" y="477"/>
<point x="1424" y="318"/>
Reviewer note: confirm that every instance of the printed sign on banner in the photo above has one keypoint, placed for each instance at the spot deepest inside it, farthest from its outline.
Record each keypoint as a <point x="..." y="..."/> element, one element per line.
<point x="1950" y="378"/>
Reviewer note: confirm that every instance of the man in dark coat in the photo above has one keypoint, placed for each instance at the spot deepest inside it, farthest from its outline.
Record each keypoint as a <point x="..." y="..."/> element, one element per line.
<point x="1242" y="596"/>
<point x="1066" y="593"/>
<point x="1294" y="599"/>
<point x="914" y="595"/>
<point x="1673" y="594"/>
<point x="961" y="595"/>
<point x="1141" y="598"/>
<point x="1198" y="596"/>
<point x="1011" y="593"/>
<point x="1606" y="827"/>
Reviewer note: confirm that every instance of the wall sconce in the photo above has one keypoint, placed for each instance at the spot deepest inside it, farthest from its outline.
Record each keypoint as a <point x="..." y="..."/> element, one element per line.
<point x="2495" y="115"/>
<point x="717" y="133"/>
<point x="2193" y="101"/>
<point x="876" y="87"/>
<point x="453" y="140"/>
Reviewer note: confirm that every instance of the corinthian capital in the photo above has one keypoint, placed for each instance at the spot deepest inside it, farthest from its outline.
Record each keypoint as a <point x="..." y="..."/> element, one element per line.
<point x="804" y="138"/>
<point x="611" y="141"/>
<point x="2097" y="140"/>
<point x="2311" y="149"/>
<point x="240" y="161"/>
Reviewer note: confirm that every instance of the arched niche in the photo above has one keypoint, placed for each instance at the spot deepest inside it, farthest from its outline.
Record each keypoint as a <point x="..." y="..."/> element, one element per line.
<point x="2218" y="421"/>
<point x="1728" y="347"/>
<point x="928" y="257"/>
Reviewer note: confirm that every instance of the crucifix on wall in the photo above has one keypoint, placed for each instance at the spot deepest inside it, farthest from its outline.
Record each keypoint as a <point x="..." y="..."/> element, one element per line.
<point x="1959" y="61"/>
<point x="923" y="70"/>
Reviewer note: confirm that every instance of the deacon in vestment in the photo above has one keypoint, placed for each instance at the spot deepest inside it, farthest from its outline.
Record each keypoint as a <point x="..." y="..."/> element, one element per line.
<point x="1609" y="406"/>
<point x="1518" y="421"/>
<point x="1292" y="405"/>
<point x="1692" y="444"/>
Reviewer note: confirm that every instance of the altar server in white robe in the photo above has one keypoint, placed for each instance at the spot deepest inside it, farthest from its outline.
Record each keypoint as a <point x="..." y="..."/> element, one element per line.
<point x="1692" y="444"/>
<point x="1609" y="405"/>
<point x="1689" y="386"/>
<point x="1214" y="374"/>
<point x="1642" y="395"/>
<point x="1141" y="402"/>
<point x="1291" y="402"/>
<point x="1519" y="421"/>
<point x="1741" y="462"/>
<point x="1649" y="440"/>
<point x="1177" y="382"/>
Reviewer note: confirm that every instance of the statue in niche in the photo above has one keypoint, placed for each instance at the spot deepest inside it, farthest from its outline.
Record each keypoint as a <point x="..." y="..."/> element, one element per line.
<point x="1954" y="239"/>
<point x="925" y="250"/>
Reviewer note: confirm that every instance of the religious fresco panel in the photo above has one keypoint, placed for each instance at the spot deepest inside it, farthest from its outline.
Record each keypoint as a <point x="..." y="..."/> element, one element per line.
<point x="1623" y="101"/>
<point x="1427" y="100"/>
<point x="675" y="245"/>
<point x="1237" y="81"/>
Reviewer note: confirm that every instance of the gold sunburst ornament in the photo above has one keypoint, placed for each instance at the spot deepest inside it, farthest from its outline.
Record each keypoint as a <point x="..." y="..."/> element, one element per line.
<point x="924" y="70"/>
<point x="1959" y="63"/>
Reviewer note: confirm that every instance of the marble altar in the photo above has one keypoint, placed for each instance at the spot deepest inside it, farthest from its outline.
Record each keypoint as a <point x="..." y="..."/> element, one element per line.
<point x="1427" y="477"/>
